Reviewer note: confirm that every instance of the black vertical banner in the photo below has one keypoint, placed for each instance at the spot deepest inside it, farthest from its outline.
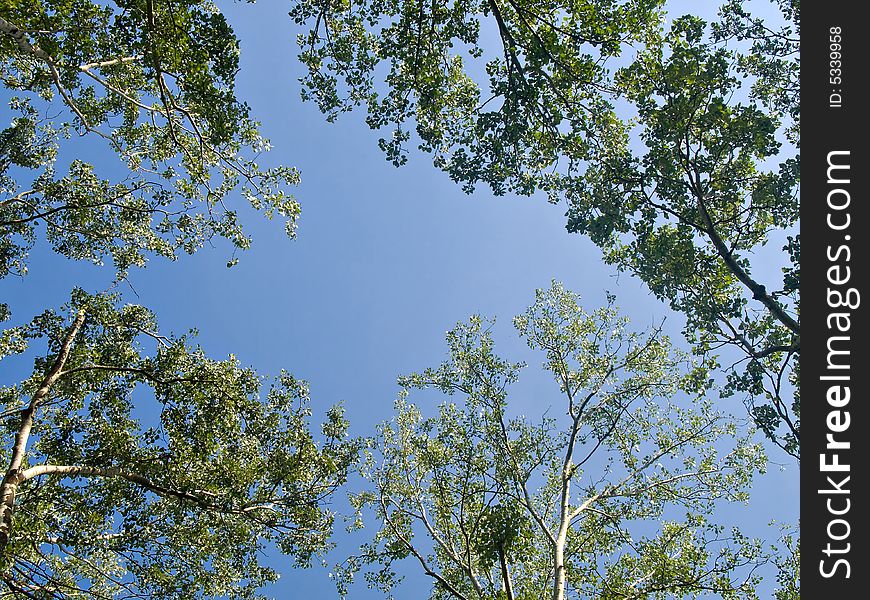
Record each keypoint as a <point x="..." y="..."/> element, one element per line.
<point x="835" y="228"/>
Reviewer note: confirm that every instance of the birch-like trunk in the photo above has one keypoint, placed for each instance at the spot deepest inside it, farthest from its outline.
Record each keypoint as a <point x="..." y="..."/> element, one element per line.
<point x="561" y="539"/>
<point x="12" y="479"/>
<point x="564" y="515"/>
<point x="565" y="497"/>
<point x="505" y="575"/>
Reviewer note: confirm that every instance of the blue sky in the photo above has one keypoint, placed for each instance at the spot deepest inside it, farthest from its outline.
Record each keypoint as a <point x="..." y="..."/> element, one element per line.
<point x="385" y="262"/>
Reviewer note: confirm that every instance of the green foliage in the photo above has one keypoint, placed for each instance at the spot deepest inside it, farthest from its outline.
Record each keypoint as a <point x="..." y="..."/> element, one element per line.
<point x="616" y="481"/>
<point x="773" y="60"/>
<point x="609" y="495"/>
<point x="500" y="115"/>
<point x="690" y="212"/>
<point x="788" y="565"/>
<point x="151" y="81"/>
<point x="179" y="506"/>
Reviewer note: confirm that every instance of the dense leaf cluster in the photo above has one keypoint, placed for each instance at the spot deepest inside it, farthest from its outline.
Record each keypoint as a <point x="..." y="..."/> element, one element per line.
<point x="137" y="465"/>
<point x="153" y="470"/>
<point x="151" y="81"/>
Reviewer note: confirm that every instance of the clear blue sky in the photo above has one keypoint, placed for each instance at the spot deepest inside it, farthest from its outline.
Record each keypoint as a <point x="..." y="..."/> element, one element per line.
<point x="385" y="262"/>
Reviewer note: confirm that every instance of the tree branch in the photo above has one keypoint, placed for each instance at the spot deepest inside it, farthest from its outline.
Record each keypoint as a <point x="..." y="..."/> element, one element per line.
<point x="758" y="291"/>
<point x="10" y="483"/>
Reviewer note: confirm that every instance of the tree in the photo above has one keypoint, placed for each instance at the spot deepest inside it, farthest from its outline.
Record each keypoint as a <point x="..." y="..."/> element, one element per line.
<point x="152" y="82"/>
<point x="607" y="495"/>
<point x="142" y="468"/>
<point x="664" y="160"/>
<point x="138" y="466"/>
<point x="773" y="59"/>
<point x="545" y="75"/>
<point x="690" y="213"/>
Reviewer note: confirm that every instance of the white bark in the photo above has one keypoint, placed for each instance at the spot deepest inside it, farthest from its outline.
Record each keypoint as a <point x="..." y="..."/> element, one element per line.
<point x="13" y="477"/>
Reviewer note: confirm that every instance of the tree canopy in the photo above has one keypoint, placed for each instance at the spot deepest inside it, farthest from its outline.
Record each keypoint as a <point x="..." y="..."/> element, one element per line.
<point x="151" y="82"/>
<point x="673" y="146"/>
<point x="690" y="213"/>
<point x="138" y="466"/>
<point x="498" y="90"/>
<point x="607" y="493"/>
<point x="99" y="501"/>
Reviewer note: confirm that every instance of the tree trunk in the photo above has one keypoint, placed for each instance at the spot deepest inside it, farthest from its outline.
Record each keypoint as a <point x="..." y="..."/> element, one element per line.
<point x="562" y="536"/>
<point x="559" y="566"/>
<point x="565" y="499"/>
<point x="758" y="291"/>
<point x="505" y="574"/>
<point x="12" y="479"/>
